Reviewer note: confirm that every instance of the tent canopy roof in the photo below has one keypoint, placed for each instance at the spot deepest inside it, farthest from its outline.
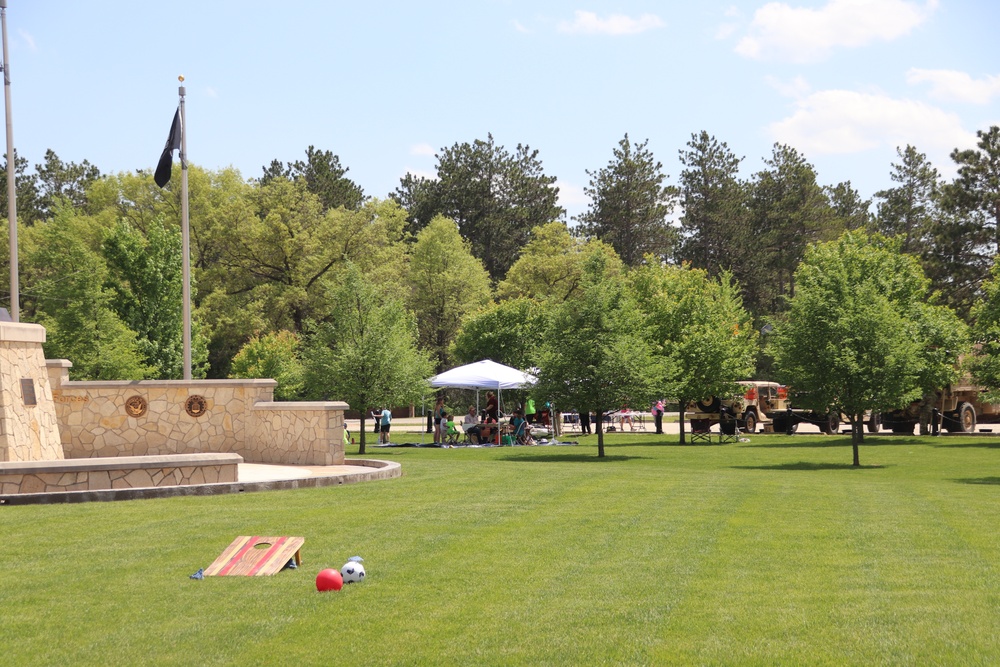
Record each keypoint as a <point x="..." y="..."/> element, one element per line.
<point x="485" y="374"/>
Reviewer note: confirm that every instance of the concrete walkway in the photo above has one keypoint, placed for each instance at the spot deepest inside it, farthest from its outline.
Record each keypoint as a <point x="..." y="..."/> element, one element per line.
<point x="252" y="477"/>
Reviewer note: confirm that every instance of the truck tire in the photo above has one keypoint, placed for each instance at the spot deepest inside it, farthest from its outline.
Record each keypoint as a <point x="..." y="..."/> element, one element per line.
<point x="966" y="418"/>
<point x="874" y="422"/>
<point x="903" y="427"/>
<point x="709" y="404"/>
<point x="750" y="421"/>
<point x="829" y="423"/>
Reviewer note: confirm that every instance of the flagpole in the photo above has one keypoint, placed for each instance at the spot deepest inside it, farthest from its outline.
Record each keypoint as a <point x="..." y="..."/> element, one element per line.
<point x="185" y="238"/>
<point x="15" y="298"/>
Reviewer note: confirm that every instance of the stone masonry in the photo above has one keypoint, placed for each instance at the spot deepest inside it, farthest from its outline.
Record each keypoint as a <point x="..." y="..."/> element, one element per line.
<point x="28" y="425"/>
<point x="159" y="417"/>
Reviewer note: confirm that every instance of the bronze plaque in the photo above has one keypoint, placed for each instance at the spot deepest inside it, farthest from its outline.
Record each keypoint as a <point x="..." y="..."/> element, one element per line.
<point x="28" y="391"/>
<point x="135" y="406"/>
<point x="196" y="405"/>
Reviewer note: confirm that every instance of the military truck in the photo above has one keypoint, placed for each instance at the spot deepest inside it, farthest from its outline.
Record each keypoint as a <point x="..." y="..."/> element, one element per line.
<point x="958" y="406"/>
<point x="761" y="403"/>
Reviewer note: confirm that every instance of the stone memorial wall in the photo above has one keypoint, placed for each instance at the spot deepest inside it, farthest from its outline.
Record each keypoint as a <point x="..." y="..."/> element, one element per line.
<point x="28" y="424"/>
<point x="159" y="417"/>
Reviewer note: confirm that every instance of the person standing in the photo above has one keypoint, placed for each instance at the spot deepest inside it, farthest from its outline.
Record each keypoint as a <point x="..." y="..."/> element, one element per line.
<point x="657" y="411"/>
<point x="529" y="410"/>
<point x="438" y="415"/>
<point x="625" y="415"/>
<point x="585" y="422"/>
<point x="492" y="407"/>
<point x="386" y="420"/>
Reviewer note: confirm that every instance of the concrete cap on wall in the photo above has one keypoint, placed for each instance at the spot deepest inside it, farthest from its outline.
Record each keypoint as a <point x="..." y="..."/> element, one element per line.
<point x="22" y="332"/>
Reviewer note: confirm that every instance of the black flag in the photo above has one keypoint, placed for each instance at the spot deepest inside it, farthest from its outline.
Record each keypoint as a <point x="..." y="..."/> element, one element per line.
<point x="162" y="175"/>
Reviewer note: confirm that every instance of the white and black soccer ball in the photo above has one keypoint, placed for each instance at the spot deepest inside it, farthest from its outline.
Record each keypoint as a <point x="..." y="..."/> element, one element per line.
<point x="352" y="571"/>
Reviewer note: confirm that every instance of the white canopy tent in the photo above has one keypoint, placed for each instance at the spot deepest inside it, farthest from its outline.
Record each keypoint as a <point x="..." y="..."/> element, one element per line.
<point x="485" y="374"/>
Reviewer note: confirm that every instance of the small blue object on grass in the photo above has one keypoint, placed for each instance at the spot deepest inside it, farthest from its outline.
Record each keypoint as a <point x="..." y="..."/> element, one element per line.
<point x="200" y="574"/>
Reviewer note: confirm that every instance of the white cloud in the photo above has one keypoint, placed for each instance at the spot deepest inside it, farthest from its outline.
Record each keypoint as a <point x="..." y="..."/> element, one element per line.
<point x="520" y="27"/>
<point x="950" y="85"/>
<point x="28" y="39"/>
<point x="422" y="149"/>
<point x="589" y="23"/>
<point x="796" y="88"/>
<point x="843" y="121"/>
<point x="729" y="28"/>
<point x="801" y="34"/>
<point x="726" y="30"/>
<point x="572" y="197"/>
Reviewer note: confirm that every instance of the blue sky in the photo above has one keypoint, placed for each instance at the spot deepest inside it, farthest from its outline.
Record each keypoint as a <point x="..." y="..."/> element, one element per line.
<point x="386" y="84"/>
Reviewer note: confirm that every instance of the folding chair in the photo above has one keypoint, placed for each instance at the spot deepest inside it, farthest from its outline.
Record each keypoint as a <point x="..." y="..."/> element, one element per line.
<point x="700" y="431"/>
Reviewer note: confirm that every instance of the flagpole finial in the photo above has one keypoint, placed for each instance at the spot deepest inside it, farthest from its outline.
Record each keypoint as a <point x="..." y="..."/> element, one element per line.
<point x="181" y="78"/>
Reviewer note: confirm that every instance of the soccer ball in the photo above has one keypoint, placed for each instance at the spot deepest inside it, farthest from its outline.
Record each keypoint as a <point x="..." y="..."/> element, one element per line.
<point x="352" y="572"/>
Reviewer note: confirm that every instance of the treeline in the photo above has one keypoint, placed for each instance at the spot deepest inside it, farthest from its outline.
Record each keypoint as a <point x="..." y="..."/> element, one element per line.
<point x="472" y="258"/>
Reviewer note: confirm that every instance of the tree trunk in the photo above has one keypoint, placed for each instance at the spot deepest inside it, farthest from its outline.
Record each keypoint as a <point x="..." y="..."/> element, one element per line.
<point x="600" y="433"/>
<point x="857" y="427"/>
<point x="681" y="405"/>
<point x="363" y="429"/>
<point x="857" y="436"/>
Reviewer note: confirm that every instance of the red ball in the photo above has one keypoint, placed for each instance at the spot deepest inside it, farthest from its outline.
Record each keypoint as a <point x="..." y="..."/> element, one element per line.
<point x="329" y="580"/>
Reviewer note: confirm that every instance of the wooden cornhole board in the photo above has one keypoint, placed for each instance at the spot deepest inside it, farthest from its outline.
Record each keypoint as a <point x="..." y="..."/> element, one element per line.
<point x="256" y="556"/>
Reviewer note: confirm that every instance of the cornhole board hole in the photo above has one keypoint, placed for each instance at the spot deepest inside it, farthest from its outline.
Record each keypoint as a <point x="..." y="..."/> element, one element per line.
<point x="256" y="556"/>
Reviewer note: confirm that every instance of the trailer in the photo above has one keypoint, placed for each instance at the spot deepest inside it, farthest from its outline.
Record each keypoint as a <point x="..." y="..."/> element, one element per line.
<point x="957" y="408"/>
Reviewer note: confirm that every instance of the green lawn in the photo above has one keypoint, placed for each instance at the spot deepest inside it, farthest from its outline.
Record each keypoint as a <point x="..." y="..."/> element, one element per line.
<point x="770" y="552"/>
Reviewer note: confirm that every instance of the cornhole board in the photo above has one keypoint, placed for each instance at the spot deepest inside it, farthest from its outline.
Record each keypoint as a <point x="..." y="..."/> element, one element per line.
<point x="256" y="556"/>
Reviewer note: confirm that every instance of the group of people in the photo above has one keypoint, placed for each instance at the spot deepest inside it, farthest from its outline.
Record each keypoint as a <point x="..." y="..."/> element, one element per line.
<point x="625" y="417"/>
<point x="480" y="431"/>
<point x="488" y="429"/>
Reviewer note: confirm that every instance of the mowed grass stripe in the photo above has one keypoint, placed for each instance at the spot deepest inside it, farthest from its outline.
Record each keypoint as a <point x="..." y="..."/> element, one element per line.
<point x="770" y="552"/>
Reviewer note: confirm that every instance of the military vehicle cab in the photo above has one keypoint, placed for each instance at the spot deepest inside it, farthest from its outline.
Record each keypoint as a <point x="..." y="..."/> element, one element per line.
<point x="760" y="404"/>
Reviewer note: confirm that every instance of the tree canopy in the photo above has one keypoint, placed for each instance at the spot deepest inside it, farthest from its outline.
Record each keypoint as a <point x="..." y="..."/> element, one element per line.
<point x="496" y="198"/>
<point x="705" y="337"/>
<point x="859" y="334"/>
<point x="595" y="355"/>
<point x="630" y="205"/>
<point x="366" y="354"/>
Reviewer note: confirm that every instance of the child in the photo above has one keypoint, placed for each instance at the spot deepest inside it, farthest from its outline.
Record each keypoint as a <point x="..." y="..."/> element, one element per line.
<point x="452" y="430"/>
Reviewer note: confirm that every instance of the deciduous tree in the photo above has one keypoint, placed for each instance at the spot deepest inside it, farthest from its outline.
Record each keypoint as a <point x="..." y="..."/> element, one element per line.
<point x="596" y="355"/>
<point x="73" y="305"/>
<point x="859" y="335"/>
<point x="366" y="353"/>
<point x="550" y="266"/>
<point x="446" y="283"/>
<point x="508" y="332"/>
<point x="698" y="323"/>
<point x="146" y="281"/>
<point x="275" y="355"/>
